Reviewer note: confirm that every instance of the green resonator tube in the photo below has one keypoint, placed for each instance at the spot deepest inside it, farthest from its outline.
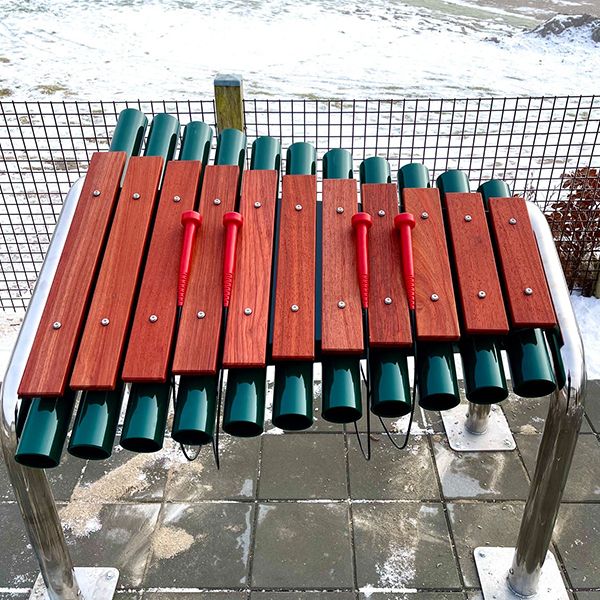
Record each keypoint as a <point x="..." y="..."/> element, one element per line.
<point x="527" y="349"/>
<point x="98" y="413"/>
<point x="148" y="406"/>
<point x="390" y="385"/>
<point x="485" y="381"/>
<point x="293" y="389"/>
<point x="244" y="409"/>
<point x="44" y="422"/>
<point x="45" y="431"/>
<point x="196" y="405"/>
<point x="435" y="368"/>
<point x="341" y="393"/>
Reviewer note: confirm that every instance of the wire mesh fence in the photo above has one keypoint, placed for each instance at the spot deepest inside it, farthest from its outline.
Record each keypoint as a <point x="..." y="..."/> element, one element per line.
<point x="545" y="149"/>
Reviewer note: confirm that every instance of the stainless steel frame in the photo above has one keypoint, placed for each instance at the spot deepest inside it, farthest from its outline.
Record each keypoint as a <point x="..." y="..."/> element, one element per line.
<point x="561" y="430"/>
<point x="31" y="487"/>
<point x="478" y="418"/>
<point x="565" y="415"/>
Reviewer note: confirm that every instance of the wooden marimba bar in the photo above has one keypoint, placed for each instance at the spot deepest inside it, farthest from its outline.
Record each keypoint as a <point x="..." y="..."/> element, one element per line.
<point x="293" y="296"/>
<point x="105" y="314"/>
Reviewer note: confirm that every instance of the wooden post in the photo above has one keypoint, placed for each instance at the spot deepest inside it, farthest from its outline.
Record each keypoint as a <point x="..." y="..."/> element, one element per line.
<point x="229" y="102"/>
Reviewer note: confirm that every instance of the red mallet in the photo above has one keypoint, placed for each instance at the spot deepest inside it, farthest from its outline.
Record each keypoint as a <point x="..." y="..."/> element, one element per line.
<point x="191" y="221"/>
<point x="404" y="223"/>
<point x="232" y="222"/>
<point x="361" y="223"/>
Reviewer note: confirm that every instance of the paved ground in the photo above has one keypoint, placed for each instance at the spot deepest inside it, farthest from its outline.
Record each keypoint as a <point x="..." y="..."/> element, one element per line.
<point x="302" y="516"/>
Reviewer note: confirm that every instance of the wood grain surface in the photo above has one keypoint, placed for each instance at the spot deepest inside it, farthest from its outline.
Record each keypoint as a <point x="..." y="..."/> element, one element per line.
<point x="51" y="358"/>
<point x="520" y="264"/>
<point x="150" y="343"/>
<point x="475" y="265"/>
<point x="435" y="320"/>
<point x="246" y="336"/>
<point x="294" y="332"/>
<point x="198" y="339"/>
<point x="100" y="354"/>
<point x="389" y="324"/>
<point x="342" y="329"/>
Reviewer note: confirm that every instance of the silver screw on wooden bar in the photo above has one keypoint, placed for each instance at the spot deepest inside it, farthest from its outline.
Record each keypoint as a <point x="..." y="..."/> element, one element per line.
<point x="257" y="205"/>
<point x="136" y="196"/>
<point x="56" y="325"/>
<point x="468" y="218"/>
<point x="153" y="318"/>
<point x="528" y="291"/>
<point x="201" y="314"/>
<point x="295" y="308"/>
<point x="424" y="215"/>
<point x="388" y="300"/>
<point x="341" y="304"/>
<point x="217" y="201"/>
<point x="104" y="322"/>
<point x="176" y="198"/>
<point x="247" y="311"/>
<point x="298" y="206"/>
<point x="434" y="297"/>
<point x="381" y="213"/>
<point x="481" y="294"/>
<point x="339" y="210"/>
<point x="512" y="221"/>
<point x="96" y="193"/>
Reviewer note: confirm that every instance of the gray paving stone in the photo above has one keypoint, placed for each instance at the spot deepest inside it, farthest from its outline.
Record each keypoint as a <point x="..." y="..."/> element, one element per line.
<point x="412" y="596"/>
<point x="201" y="545"/>
<point x="474" y="525"/>
<point x="18" y="566"/>
<point x="584" y="477"/>
<point x="528" y="415"/>
<point x="577" y="535"/>
<point x="591" y="595"/>
<point x="403" y="545"/>
<point x="393" y="474"/>
<point x="302" y="596"/>
<point x="303" y="466"/>
<point x="201" y="480"/>
<point x="174" y="595"/>
<point x="112" y="535"/>
<point x="145" y="475"/>
<point x="64" y="478"/>
<point x="592" y="404"/>
<point x="422" y="424"/>
<point x="14" y="596"/>
<point x="302" y="546"/>
<point x="480" y="475"/>
<point x="128" y="595"/>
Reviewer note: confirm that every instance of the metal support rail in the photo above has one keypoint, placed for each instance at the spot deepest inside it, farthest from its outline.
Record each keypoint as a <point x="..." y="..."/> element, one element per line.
<point x="32" y="491"/>
<point x="561" y="430"/>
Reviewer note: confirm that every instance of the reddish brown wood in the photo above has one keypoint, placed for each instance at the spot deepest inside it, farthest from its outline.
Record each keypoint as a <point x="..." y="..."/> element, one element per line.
<point x="246" y="336"/>
<point x="150" y="342"/>
<point x="475" y="265"/>
<point x="341" y="329"/>
<point x="435" y="320"/>
<point x="520" y="264"/>
<point x="51" y="357"/>
<point x="98" y="361"/>
<point x="294" y="332"/>
<point x="198" y="340"/>
<point x="389" y="324"/>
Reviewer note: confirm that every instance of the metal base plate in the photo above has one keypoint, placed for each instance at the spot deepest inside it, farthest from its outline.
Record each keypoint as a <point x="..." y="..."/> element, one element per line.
<point x="95" y="583"/>
<point x="497" y="438"/>
<point x="493" y="565"/>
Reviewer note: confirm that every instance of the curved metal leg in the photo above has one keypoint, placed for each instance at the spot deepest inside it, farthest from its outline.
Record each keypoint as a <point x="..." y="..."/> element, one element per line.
<point x="31" y="487"/>
<point x="556" y="450"/>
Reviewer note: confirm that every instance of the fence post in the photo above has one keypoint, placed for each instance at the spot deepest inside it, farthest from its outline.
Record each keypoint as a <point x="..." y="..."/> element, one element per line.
<point x="229" y="102"/>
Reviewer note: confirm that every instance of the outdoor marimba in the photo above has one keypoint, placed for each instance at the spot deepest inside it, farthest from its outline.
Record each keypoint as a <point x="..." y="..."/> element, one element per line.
<point x="288" y="280"/>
